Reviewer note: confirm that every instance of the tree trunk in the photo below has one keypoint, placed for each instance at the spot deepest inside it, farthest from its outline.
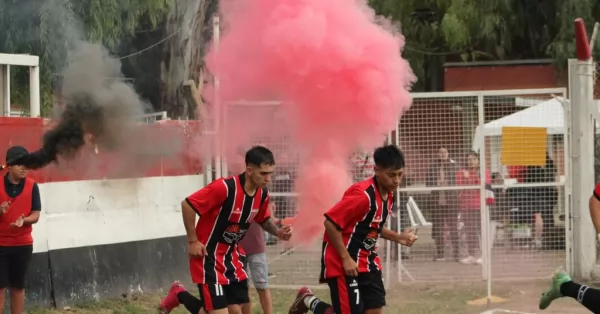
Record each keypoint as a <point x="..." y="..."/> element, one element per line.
<point x="183" y="53"/>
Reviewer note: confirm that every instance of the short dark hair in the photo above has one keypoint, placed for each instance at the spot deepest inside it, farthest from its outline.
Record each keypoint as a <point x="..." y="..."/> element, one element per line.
<point x="389" y="157"/>
<point x="258" y="155"/>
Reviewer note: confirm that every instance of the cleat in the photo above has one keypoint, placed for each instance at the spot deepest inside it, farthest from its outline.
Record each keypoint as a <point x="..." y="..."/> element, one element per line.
<point x="553" y="292"/>
<point x="298" y="307"/>
<point x="171" y="301"/>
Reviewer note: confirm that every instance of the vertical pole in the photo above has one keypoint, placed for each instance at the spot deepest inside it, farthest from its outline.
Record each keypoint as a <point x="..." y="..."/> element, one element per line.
<point x="388" y="244"/>
<point x="568" y="190"/>
<point x="217" y="104"/>
<point x="34" y="92"/>
<point x="485" y="232"/>
<point x="5" y="89"/>
<point x="582" y="162"/>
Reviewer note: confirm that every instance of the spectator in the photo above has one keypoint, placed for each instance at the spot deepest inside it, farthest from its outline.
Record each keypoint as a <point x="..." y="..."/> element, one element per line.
<point x="442" y="173"/>
<point x="256" y="265"/>
<point x="20" y="208"/>
<point x="470" y="205"/>
<point x="541" y="200"/>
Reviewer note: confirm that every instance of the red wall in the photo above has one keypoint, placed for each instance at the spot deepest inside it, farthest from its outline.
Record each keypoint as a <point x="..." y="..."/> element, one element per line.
<point x="166" y="150"/>
<point x="472" y="78"/>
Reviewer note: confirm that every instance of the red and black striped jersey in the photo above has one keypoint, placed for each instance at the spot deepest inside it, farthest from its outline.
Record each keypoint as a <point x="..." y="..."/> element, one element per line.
<point x="597" y="191"/>
<point x="226" y="212"/>
<point x="361" y="214"/>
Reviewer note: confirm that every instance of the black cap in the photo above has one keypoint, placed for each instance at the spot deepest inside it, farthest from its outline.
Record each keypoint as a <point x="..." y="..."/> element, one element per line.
<point x="15" y="153"/>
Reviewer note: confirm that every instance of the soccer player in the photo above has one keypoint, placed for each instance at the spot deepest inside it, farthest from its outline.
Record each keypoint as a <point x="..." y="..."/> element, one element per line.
<point x="563" y="286"/>
<point x="226" y="207"/>
<point x="20" y="208"/>
<point x="349" y="263"/>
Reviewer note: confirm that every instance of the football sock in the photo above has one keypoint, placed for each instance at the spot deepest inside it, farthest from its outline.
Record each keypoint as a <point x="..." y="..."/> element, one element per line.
<point x="317" y="306"/>
<point x="588" y="297"/>
<point x="191" y="303"/>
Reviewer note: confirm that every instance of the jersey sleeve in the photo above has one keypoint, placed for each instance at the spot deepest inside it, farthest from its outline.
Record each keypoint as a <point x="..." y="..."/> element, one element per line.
<point x="597" y="191"/>
<point x="263" y="212"/>
<point x="346" y="211"/>
<point x="208" y="198"/>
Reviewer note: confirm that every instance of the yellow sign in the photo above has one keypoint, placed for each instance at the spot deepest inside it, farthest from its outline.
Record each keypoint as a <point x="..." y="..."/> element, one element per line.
<point x="524" y="146"/>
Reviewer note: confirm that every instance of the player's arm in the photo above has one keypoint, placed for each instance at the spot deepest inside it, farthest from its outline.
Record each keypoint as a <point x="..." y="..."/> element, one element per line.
<point x="595" y="208"/>
<point x="404" y="238"/>
<point x="341" y="215"/>
<point x="269" y="224"/>
<point x="200" y="203"/>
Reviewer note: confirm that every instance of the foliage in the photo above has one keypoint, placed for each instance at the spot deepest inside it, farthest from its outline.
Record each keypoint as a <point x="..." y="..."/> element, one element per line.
<point x="48" y="28"/>
<point x="474" y="30"/>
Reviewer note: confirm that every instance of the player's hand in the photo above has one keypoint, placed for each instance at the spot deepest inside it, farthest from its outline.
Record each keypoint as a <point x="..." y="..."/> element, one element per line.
<point x="350" y="267"/>
<point x="407" y="237"/>
<point x="466" y="173"/>
<point x="284" y="233"/>
<point x="4" y="207"/>
<point x="196" y="249"/>
<point x="18" y="223"/>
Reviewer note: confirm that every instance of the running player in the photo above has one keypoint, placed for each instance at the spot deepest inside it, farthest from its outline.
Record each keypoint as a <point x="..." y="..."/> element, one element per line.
<point x="349" y="263"/>
<point x="563" y="286"/>
<point x="226" y="207"/>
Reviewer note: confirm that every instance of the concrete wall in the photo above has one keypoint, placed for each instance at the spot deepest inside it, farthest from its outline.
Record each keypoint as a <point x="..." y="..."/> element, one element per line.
<point x="105" y="238"/>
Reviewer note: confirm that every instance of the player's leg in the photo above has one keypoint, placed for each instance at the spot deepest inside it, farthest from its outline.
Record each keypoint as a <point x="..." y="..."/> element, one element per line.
<point x="259" y="268"/>
<point x="372" y="292"/>
<point x="563" y="286"/>
<point x="307" y="301"/>
<point x="237" y="296"/>
<point x="179" y="295"/>
<point x="19" y="260"/>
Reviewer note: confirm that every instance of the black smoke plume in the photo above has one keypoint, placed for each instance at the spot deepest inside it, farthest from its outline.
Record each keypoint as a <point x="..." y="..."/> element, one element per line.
<point x="99" y="102"/>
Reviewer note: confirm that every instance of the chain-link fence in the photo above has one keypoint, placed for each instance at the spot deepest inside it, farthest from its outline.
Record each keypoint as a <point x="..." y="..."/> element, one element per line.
<point x="456" y="140"/>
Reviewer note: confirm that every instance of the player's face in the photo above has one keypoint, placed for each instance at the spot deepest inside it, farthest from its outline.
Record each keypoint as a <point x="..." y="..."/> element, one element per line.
<point x="261" y="175"/>
<point x="389" y="179"/>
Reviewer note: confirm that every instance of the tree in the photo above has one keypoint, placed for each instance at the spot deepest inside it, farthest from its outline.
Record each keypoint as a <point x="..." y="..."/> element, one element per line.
<point x="438" y="31"/>
<point x="191" y="25"/>
<point x="49" y="28"/>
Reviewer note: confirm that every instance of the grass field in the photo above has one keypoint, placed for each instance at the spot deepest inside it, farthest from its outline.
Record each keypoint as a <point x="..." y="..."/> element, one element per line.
<point x="409" y="299"/>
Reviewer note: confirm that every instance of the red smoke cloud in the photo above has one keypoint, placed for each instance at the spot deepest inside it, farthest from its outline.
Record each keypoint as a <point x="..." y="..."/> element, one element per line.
<point x="339" y="73"/>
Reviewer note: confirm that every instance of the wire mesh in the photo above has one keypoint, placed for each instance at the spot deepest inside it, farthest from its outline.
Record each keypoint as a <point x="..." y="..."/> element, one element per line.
<point x="441" y="195"/>
<point x="525" y="217"/>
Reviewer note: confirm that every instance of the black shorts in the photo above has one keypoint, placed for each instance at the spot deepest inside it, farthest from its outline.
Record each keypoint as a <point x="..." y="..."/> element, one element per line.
<point x="216" y="296"/>
<point x="354" y="295"/>
<point x="14" y="262"/>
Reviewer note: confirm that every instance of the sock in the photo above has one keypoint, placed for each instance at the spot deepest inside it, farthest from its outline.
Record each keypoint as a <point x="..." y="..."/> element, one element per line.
<point x="317" y="306"/>
<point x="588" y="297"/>
<point x="191" y="303"/>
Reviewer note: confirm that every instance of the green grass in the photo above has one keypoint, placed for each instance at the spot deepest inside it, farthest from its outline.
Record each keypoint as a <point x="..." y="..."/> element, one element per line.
<point x="405" y="299"/>
<point x="445" y="300"/>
